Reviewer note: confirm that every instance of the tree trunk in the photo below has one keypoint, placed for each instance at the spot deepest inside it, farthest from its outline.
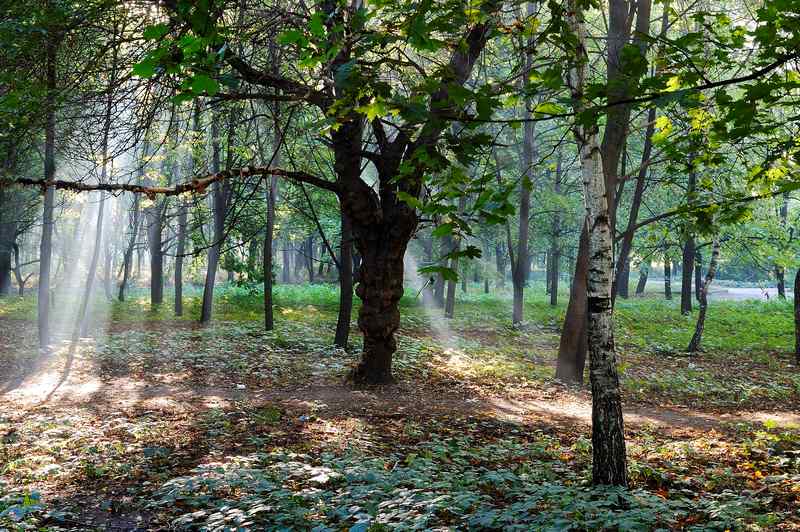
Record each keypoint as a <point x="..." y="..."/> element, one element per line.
<point x="520" y="266"/>
<point x="687" y="269"/>
<point x="82" y="323"/>
<point x="609" y="464"/>
<point x="797" y="318"/>
<point x="698" y="274"/>
<point x="219" y="200"/>
<point x="555" y="260"/>
<point x="18" y="272"/>
<point x="623" y="289"/>
<point x="667" y="278"/>
<point x="8" y="231"/>
<point x="345" y="284"/>
<point x="780" y="271"/>
<point x="128" y="257"/>
<point x="154" y="239"/>
<point x="644" y="271"/>
<point x="269" y="316"/>
<point x="46" y="245"/>
<point x="286" y="260"/>
<point x="555" y="232"/>
<point x="573" y="344"/>
<point x="694" y="343"/>
<point x="179" y="253"/>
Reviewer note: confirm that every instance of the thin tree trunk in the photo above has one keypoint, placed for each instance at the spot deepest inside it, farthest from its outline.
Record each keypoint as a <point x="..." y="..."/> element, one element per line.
<point x="797" y="318"/>
<point x="687" y="270"/>
<point x="46" y="245"/>
<point x="667" y="278"/>
<point x="345" y="264"/>
<point x="694" y="343"/>
<point x="219" y="207"/>
<point x="450" y="303"/>
<point x="269" y="316"/>
<point x="698" y="275"/>
<point x="286" y="259"/>
<point x="644" y="271"/>
<point x="179" y="253"/>
<point x="128" y="257"/>
<point x="780" y="270"/>
<point x="155" y="243"/>
<point x="623" y="289"/>
<point x="82" y="323"/>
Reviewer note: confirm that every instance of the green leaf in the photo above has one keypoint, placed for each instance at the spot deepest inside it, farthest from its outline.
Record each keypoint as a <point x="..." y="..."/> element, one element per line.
<point x="155" y="32"/>
<point x="202" y="84"/>
<point x="409" y="200"/>
<point x="145" y="69"/>
<point x="443" y="230"/>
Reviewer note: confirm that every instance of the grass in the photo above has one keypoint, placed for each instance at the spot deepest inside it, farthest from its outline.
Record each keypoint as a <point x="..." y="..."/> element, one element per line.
<point x="295" y="460"/>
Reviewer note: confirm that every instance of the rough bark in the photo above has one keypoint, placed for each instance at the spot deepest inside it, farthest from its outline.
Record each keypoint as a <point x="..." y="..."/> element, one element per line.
<point x="780" y="271"/>
<point x="573" y="344"/>
<point x="687" y="270"/>
<point x="644" y="272"/>
<point x="156" y="248"/>
<point x="219" y="205"/>
<point x="697" y="337"/>
<point x="609" y="464"/>
<point x="8" y="235"/>
<point x="345" y="264"/>
<point x="797" y="318"/>
<point x="127" y="261"/>
<point x="619" y="86"/>
<point x="46" y="245"/>
<point x="698" y="274"/>
<point x="179" y="254"/>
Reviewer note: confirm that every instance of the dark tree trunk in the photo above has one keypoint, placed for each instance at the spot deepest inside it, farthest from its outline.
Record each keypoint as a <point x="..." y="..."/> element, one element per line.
<point x="269" y="316"/>
<point x="486" y="286"/>
<point x="574" y="345"/>
<point x="179" y="252"/>
<point x="219" y="199"/>
<point x="780" y="271"/>
<point x="624" y="280"/>
<point x="18" y="272"/>
<point x="694" y="343"/>
<point x="450" y="303"/>
<point x="128" y="257"/>
<point x="356" y="266"/>
<point x="687" y="270"/>
<point x="345" y="285"/>
<point x="555" y="260"/>
<point x="644" y="271"/>
<point x="154" y="240"/>
<point x="46" y="245"/>
<point x="7" y="240"/>
<point x="698" y="275"/>
<point x="780" y="277"/>
<point x="797" y="317"/>
<point x="667" y="278"/>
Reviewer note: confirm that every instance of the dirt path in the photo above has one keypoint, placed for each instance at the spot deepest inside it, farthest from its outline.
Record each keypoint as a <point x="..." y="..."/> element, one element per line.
<point x="59" y="382"/>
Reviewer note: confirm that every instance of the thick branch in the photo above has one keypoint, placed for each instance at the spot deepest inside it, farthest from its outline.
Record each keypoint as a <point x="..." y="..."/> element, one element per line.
<point x="197" y="185"/>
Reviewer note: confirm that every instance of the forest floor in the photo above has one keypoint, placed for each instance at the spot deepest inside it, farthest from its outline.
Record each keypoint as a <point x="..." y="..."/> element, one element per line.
<point x="156" y="423"/>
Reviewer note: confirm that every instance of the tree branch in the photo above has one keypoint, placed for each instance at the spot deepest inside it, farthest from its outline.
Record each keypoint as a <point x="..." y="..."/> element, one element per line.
<point x="195" y="186"/>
